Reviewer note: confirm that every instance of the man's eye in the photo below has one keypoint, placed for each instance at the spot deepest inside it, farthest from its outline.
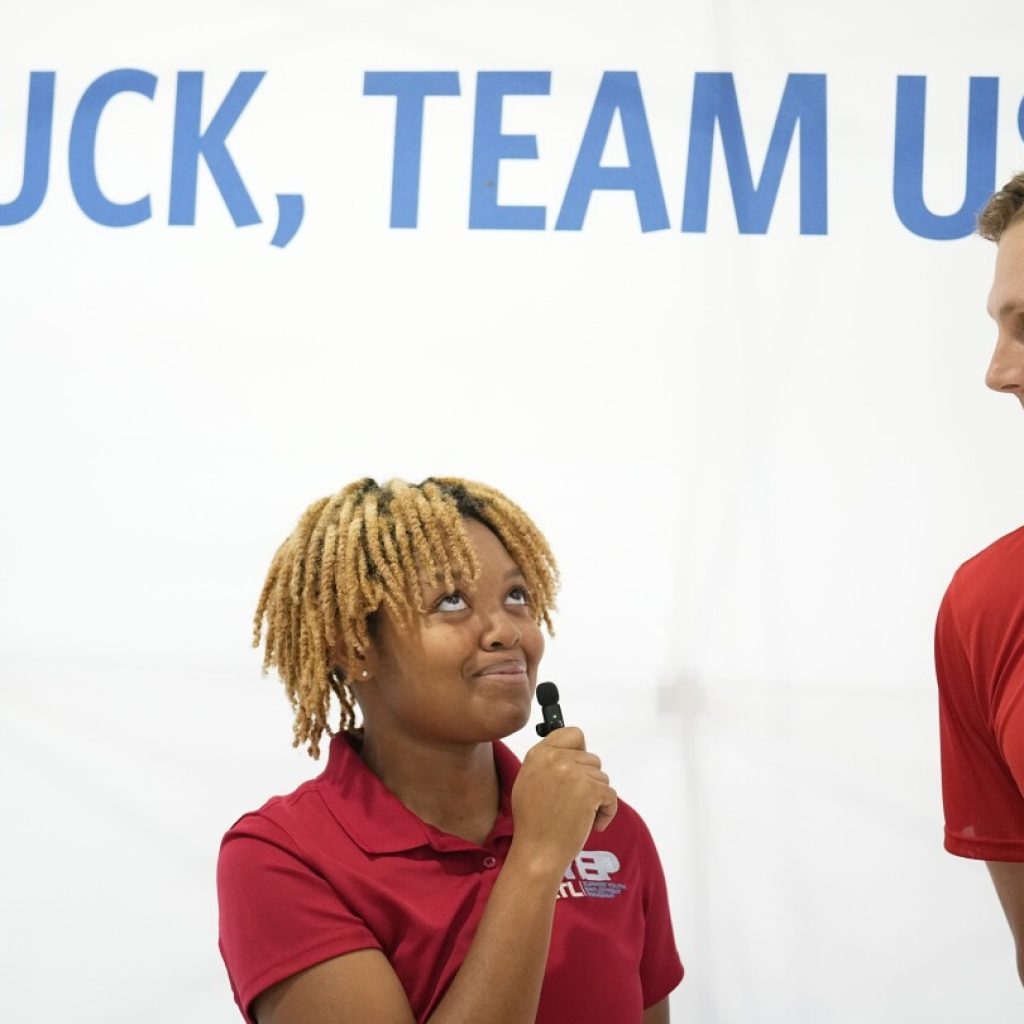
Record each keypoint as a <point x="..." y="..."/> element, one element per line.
<point x="451" y="603"/>
<point x="518" y="595"/>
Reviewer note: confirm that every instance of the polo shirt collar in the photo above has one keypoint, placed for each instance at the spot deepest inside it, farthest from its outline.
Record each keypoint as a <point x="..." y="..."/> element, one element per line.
<point x="378" y="822"/>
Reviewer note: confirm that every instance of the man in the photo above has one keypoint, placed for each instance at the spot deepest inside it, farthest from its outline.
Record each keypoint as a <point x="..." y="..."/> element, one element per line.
<point x="979" y="639"/>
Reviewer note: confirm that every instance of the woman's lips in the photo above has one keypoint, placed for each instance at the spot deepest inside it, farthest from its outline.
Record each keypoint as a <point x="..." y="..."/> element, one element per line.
<point x="508" y="670"/>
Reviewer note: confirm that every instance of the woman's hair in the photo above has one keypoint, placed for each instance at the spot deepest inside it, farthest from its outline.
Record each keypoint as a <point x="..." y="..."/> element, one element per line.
<point x="1004" y="209"/>
<point x="368" y="546"/>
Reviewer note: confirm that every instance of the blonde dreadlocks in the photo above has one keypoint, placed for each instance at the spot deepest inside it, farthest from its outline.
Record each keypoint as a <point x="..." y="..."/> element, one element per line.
<point x="364" y="548"/>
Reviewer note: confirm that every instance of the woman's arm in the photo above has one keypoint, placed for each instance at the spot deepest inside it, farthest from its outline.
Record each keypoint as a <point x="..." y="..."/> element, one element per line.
<point x="357" y="986"/>
<point x="658" y="1013"/>
<point x="499" y="980"/>
<point x="559" y="791"/>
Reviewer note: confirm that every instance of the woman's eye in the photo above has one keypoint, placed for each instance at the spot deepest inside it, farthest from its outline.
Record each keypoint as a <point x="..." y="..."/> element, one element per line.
<point x="452" y="603"/>
<point x="518" y="595"/>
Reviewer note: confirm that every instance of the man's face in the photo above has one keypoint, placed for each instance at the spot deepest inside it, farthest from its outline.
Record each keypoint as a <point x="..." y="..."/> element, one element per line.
<point x="1006" y="307"/>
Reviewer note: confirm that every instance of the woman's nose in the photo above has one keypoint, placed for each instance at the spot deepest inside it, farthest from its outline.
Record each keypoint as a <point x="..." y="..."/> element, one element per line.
<point x="500" y="631"/>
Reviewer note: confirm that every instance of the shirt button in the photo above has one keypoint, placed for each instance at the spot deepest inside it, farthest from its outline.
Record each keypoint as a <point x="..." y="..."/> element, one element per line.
<point x="489" y="861"/>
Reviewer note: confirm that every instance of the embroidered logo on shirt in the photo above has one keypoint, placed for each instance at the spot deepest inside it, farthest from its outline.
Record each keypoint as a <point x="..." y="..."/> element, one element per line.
<point x="590" y="874"/>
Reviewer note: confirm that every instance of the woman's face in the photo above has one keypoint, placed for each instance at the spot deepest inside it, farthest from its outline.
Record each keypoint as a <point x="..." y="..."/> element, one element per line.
<point x="466" y="670"/>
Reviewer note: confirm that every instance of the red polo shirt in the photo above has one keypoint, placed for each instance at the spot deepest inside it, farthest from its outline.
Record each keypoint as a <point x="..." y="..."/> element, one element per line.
<point x="341" y="865"/>
<point x="979" y="659"/>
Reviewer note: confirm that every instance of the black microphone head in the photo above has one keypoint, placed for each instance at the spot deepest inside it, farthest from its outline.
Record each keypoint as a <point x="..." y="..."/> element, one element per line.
<point x="547" y="693"/>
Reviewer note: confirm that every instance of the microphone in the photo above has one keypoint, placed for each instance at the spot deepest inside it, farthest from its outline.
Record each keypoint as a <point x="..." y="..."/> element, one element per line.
<point x="547" y="698"/>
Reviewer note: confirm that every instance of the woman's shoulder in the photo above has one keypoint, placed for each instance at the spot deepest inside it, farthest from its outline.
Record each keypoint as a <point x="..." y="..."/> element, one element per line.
<point x="287" y="815"/>
<point x="628" y="817"/>
<point x="628" y="831"/>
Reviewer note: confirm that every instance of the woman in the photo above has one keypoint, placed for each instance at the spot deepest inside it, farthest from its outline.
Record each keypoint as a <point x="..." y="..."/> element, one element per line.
<point x="393" y="887"/>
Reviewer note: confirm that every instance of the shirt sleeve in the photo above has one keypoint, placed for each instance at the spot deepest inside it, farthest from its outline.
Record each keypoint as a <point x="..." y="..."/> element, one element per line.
<point x="983" y="806"/>
<point x="277" y="915"/>
<point x="660" y="967"/>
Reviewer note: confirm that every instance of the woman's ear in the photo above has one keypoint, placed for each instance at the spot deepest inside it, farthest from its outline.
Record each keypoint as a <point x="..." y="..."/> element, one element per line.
<point x="348" y="668"/>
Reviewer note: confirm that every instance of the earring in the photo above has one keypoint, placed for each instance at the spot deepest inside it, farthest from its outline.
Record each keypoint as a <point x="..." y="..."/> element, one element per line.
<point x="366" y="674"/>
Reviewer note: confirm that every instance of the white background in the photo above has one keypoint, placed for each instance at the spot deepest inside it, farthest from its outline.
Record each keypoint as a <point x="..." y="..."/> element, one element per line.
<point x="758" y="459"/>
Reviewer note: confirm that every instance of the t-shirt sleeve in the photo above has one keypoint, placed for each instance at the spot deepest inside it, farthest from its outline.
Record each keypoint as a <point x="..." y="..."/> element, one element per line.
<point x="660" y="967"/>
<point x="983" y="806"/>
<point x="277" y="915"/>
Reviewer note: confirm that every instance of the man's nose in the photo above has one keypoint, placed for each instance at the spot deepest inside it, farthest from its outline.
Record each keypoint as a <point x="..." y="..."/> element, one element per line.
<point x="1006" y="370"/>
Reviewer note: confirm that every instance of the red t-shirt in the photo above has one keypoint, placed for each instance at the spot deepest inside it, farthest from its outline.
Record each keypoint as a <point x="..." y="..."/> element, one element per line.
<point x="979" y="659"/>
<point x="341" y="865"/>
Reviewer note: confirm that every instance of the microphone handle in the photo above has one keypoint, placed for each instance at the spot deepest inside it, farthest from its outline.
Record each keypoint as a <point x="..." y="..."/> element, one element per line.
<point x="552" y="719"/>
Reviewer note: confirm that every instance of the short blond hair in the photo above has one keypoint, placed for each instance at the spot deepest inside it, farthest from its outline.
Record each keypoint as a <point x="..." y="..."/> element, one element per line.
<point x="366" y="547"/>
<point x="1003" y="210"/>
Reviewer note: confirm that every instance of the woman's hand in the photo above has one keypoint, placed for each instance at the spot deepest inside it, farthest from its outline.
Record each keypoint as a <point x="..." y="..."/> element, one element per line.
<point x="559" y="795"/>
